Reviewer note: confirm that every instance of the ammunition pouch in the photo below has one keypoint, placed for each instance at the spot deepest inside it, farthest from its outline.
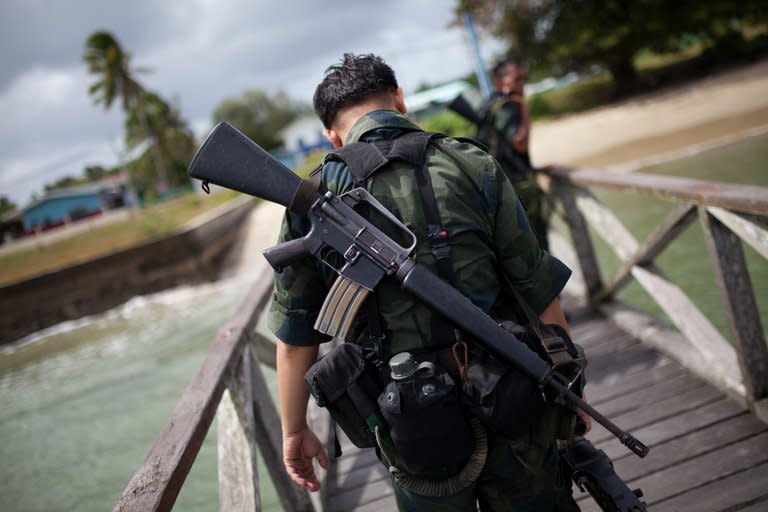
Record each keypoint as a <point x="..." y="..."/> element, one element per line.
<point x="428" y="426"/>
<point x="347" y="385"/>
<point x="503" y="398"/>
<point x="508" y="401"/>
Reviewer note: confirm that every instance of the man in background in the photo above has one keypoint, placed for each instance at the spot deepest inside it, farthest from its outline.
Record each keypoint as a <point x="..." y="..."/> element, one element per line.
<point x="505" y="129"/>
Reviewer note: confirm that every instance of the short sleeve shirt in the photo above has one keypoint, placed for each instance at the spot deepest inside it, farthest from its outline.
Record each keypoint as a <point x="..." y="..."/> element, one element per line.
<point x="488" y="233"/>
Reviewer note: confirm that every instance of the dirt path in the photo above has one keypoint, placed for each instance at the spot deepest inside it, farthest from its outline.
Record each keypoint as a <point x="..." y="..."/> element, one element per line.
<point x="723" y="107"/>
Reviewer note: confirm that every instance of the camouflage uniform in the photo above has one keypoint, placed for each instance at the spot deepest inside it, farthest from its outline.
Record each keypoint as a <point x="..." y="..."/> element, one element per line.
<point x="501" y="118"/>
<point x="488" y="230"/>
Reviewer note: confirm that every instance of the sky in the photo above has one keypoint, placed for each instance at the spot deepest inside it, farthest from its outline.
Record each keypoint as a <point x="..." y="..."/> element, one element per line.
<point x="198" y="52"/>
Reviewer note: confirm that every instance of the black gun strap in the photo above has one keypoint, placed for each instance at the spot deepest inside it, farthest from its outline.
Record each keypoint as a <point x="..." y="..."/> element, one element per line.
<point x="305" y="193"/>
<point x="363" y="160"/>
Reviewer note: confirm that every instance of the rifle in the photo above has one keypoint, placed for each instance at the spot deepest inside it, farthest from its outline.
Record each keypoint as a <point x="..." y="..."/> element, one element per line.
<point x="506" y="152"/>
<point x="229" y="159"/>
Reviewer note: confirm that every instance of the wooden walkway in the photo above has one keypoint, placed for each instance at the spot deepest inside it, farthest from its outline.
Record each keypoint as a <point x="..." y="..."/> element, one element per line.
<point x="707" y="452"/>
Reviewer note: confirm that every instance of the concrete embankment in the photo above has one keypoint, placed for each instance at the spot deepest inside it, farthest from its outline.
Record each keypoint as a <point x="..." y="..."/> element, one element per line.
<point x="192" y="255"/>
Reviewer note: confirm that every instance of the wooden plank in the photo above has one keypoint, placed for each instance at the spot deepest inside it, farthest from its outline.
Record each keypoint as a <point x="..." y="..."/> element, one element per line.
<point x="740" y="306"/>
<point x="657" y="241"/>
<point x="758" y="505"/>
<point x="614" y="386"/>
<point x="751" y="232"/>
<point x="742" y="198"/>
<point x="385" y="503"/>
<point x="355" y="498"/>
<point x="626" y="362"/>
<point x="666" y="407"/>
<point x="237" y="468"/>
<point x="691" y="445"/>
<point x="693" y="324"/>
<point x="580" y="237"/>
<point x="741" y="459"/>
<point x="650" y="394"/>
<point x="676" y="426"/>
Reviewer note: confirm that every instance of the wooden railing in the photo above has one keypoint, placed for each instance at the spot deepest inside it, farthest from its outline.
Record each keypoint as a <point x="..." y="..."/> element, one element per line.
<point x="727" y="214"/>
<point x="229" y="381"/>
<point x="229" y="384"/>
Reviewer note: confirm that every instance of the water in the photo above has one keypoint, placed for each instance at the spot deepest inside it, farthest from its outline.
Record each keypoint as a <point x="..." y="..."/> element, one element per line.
<point x="84" y="402"/>
<point x="686" y="261"/>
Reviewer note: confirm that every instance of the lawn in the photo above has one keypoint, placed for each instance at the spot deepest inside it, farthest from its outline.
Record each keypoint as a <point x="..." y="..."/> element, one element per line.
<point x="148" y="223"/>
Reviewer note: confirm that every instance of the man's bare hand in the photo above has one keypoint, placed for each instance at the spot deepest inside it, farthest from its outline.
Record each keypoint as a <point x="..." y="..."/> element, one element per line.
<point x="299" y="449"/>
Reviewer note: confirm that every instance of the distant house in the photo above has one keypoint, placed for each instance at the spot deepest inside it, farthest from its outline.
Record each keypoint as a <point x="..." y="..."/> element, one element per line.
<point x="61" y="206"/>
<point x="300" y="138"/>
<point x="423" y="104"/>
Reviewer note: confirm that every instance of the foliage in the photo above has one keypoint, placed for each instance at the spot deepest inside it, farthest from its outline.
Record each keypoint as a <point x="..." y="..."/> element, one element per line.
<point x="563" y="35"/>
<point x="148" y="116"/>
<point x="449" y="123"/>
<point x="6" y="205"/>
<point x="259" y="115"/>
<point x="173" y="141"/>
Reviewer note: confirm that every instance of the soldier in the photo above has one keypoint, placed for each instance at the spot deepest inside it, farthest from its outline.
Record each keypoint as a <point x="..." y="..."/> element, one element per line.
<point x="505" y="129"/>
<point x="486" y="232"/>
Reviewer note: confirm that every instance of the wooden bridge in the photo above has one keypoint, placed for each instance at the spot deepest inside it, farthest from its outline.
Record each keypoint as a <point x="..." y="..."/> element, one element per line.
<point x="699" y="401"/>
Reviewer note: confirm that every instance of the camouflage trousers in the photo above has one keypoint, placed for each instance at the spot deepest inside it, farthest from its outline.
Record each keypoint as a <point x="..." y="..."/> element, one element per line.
<point x="519" y="476"/>
<point x="536" y="206"/>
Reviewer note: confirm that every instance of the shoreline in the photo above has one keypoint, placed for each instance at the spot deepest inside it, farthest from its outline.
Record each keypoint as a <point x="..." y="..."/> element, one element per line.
<point x="658" y="126"/>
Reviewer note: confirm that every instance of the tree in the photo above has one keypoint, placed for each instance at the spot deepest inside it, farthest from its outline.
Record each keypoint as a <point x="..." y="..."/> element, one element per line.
<point x="576" y="34"/>
<point x="6" y="205"/>
<point x="174" y="139"/>
<point x="106" y="59"/>
<point x="259" y="116"/>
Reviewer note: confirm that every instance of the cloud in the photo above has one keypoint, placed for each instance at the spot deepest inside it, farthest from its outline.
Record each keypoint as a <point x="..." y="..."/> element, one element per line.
<point x="199" y="52"/>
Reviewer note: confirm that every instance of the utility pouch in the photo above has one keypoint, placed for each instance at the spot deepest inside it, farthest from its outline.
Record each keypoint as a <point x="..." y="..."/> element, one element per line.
<point x="345" y="384"/>
<point x="502" y="397"/>
<point x="428" y="426"/>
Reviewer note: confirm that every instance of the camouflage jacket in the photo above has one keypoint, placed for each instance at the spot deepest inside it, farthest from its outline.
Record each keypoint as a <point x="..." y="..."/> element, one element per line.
<point x="485" y="221"/>
<point x="501" y="119"/>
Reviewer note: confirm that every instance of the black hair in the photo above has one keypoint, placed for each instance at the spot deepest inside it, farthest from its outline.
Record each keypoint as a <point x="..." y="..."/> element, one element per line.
<point x="512" y="60"/>
<point x="355" y="79"/>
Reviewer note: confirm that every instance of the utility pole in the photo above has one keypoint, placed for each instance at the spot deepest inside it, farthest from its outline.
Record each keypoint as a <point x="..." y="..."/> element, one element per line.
<point x="482" y="77"/>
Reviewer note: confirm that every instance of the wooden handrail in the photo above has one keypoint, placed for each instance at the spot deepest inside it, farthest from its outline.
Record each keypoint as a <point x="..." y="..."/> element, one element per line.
<point x="740" y="198"/>
<point x="740" y="367"/>
<point x="156" y="483"/>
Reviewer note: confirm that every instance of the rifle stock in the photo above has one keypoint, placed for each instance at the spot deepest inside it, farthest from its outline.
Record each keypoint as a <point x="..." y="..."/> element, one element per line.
<point x="230" y="159"/>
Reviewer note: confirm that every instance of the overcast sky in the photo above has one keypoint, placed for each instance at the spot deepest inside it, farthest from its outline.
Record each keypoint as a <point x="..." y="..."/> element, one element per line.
<point x="199" y="51"/>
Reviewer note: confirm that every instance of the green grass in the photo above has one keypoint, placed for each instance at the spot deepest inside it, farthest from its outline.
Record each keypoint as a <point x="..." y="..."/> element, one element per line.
<point x="151" y="222"/>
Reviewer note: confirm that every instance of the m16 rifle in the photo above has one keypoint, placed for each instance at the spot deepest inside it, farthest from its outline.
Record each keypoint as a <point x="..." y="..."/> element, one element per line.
<point x="229" y="159"/>
<point x="503" y="148"/>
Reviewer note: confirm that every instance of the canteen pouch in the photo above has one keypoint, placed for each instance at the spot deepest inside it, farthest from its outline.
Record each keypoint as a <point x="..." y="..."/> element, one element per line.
<point x="502" y="397"/>
<point x="428" y="426"/>
<point x="345" y="384"/>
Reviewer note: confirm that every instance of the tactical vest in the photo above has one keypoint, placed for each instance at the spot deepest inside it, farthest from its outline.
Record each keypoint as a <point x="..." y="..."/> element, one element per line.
<point x="363" y="160"/>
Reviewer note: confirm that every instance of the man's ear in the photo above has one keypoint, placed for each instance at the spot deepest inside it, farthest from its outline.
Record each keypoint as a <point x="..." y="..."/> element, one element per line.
<point x="400" y="102"/>
<point x="332" y="137"/>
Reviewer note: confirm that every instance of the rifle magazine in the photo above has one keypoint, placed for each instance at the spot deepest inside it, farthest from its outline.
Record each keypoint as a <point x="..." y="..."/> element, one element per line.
<point x="340" y="307"/>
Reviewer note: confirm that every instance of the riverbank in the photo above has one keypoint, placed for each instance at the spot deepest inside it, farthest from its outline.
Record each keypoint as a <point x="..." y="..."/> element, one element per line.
<point x="721" y="108"/>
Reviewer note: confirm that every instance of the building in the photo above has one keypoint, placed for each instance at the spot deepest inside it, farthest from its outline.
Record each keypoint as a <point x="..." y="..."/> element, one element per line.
<point x="59" y="207"/>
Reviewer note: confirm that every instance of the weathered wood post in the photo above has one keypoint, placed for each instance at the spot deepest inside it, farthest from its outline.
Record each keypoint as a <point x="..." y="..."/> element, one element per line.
<point x="582" y="242"/>
<point x="738" y="299"/>
<point x="258" y="414"/>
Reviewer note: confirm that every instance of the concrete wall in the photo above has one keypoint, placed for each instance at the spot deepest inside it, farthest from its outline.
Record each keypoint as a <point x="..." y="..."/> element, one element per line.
<point x="193" y="255"/>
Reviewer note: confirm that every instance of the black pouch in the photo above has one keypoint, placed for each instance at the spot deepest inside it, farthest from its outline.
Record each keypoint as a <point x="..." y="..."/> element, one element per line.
<point x="344" y="383"/>
<point x="427" y="425"/>
<point x="502" y="397"/>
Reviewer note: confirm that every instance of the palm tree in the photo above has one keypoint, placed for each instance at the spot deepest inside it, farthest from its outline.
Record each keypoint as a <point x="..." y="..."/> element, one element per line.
<point x="106" y="59"/>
